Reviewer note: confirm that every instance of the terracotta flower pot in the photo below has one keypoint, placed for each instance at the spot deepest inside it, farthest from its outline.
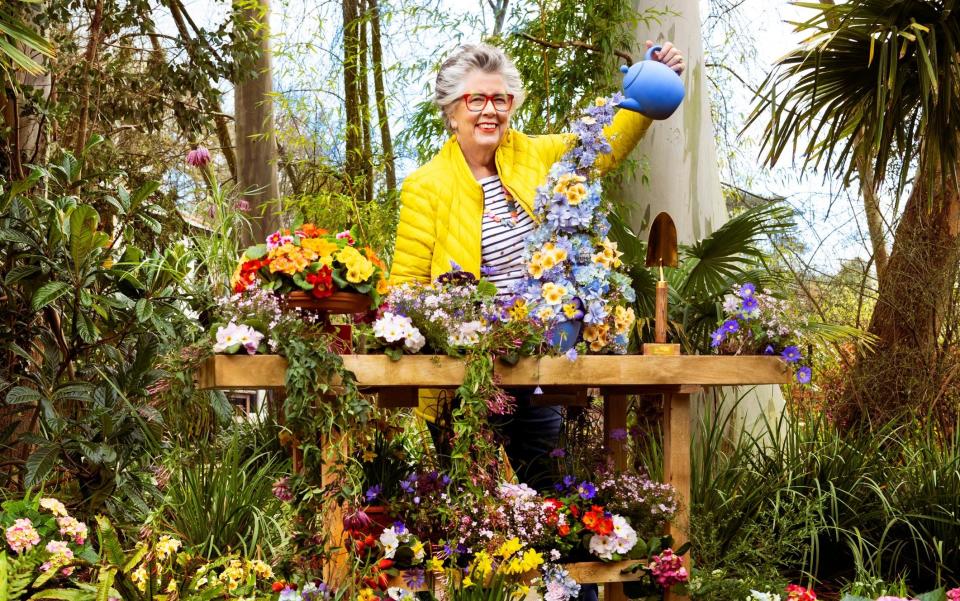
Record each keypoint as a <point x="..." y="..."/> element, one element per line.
<point x="339" y="302"/>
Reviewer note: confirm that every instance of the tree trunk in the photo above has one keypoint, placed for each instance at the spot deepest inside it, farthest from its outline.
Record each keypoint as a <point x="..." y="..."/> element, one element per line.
<point x="906" y="369"/>
<point x="871" y="206"/>
<point x="363" y="61"/>
<point x="351" y="91"/>
<point x="90" y="57"/>
<point x="256" y="146"/>
<point x="679" y="158"/>
<point x="383" y="117"/>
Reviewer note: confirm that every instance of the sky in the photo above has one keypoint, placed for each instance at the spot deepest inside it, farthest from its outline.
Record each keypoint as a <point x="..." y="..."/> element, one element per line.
<point x="306" y="33"/>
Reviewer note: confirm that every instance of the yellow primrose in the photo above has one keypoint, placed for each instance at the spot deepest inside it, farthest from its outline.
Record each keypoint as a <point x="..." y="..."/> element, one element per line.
<point x="588" y="120"/>
<point x="535" y="270"/>
<point x="545" y="313"/>
<point x="576" y="193"/>
<point x="367" y="594"/>
<point x="553" y="293"/>
<point x="600" y="101"/>
<point x="321" y="246"/>
<point x="570" y="310"/>
<point x="348" y="254"/>
<point x="623" y="318"/>
<point x="548" y="261"/>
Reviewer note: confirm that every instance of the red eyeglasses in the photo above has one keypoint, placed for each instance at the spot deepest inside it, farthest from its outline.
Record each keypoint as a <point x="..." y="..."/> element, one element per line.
<point x="476" y="102"/>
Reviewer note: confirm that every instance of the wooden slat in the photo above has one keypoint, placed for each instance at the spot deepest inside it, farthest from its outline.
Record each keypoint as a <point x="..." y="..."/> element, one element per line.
<point x="676" y="470"/>
<point x="267" y="371"/>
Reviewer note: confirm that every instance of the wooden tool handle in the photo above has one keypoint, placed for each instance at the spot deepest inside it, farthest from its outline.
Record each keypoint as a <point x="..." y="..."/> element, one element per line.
<point x="660" y="316"/>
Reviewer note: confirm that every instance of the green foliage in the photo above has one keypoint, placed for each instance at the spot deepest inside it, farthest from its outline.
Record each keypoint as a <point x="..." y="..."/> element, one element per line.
<point x="220" y="499"/>
<point x="17" y="35"/>
<point x="875" y="79"/>
<point x="799" y="496"/>
<point x="87" y="311"/>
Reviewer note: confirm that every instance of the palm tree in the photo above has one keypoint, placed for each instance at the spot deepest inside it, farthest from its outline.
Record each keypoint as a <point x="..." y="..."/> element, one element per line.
<point x="876" y="87"/>
<point x="15" y="35"/>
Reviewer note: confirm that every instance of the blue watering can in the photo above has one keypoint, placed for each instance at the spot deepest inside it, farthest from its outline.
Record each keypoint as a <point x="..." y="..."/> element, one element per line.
<point x="651" y="88"/>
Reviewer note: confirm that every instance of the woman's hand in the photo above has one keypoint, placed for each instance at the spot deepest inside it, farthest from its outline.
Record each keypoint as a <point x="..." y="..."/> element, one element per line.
<point x="669" y="56"/>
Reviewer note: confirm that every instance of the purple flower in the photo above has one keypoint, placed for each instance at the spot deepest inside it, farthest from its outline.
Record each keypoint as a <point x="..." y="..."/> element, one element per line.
<point x="730" y="326"/>
<point x="407" y="484"/>
<point x="618" y="434"/>
<point x="768" y="350"/>
<point x="747" y="290"/>
<point x="586" y="490"/>
<point x="398" y="527"/>
<point x="486" y="270"/>
<point x="538" y="390"/>
<point x="414" y="579"/>
<point x="791" y="354"/>
<point x="558" y="453"/>
<point x="242" y="205"/>
<point x="454" y="266"/>
<point x="716" y="338"/>
<point x="750" y="304"/>
<point x="198" y="157"/>
<point x="569" y="481"/>
<point x="804" y="374"/>
<point x="572" y="354"/>
<point x="373" y="492"/>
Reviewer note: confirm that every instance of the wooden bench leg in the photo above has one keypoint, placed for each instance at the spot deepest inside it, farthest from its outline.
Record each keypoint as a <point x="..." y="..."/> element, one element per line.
<point x="615" y="419"/>
<point x="676" y="468"/>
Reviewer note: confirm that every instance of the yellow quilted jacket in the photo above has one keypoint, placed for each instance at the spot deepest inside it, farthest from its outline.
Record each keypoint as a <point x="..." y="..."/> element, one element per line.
<point x="441" y="203"/>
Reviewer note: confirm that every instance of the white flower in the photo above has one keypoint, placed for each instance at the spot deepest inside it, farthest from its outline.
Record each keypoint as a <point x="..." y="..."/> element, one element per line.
<point x="625" y="537"/>
<point x="398" y="593"/>
<point x="414" y="341"/>
<point x="227" y="336"/>
<point x="390" y="542"/>
<point x="731" y="303"/>
<point x="758" y="596"/>
<point x="602" y="546"/>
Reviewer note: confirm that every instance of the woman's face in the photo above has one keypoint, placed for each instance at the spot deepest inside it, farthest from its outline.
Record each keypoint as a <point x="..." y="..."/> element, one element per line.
<point x="483" y="130"/>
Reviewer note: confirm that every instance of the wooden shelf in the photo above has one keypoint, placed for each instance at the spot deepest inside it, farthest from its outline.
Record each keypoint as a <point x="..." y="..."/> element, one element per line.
<point x="246" y="372"/>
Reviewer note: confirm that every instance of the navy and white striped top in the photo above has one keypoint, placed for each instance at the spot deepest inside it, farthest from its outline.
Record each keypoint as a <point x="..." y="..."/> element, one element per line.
<point x="505" y="226"/>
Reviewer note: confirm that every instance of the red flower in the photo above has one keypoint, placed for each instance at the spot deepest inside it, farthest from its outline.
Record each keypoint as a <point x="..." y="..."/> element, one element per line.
<point x="385" y="564"/>
<point x="795" y="592"/>
<point x="278" y="586"/>
<point x="575" y="511"/>
<point x="563" y="530"/>
<point x="550" y="505"/>
<point x="322" y="282"/>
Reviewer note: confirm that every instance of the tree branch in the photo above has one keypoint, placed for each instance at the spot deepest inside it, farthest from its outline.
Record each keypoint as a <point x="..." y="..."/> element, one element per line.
<point x="626" y="56"/>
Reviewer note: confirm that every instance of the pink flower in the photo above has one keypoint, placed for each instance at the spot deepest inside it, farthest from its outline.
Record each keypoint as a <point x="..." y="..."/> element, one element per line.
<point x="346" y="234"/>
<point x="72" y="527"/>
<point x="891" y="598"/>
<point x="22" y="536"/>
<point x="242" y="205"/>
<point x="60" y="555"/>
<point x="277" y="239"/>
<point x="198" y="157"/>
<point x="281" y="490"/>
<point x="953" y="594"/>
<point x="667" y="569"/>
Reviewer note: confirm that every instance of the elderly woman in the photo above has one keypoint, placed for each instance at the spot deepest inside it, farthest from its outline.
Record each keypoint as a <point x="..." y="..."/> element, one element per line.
<point x="473" y="202"/>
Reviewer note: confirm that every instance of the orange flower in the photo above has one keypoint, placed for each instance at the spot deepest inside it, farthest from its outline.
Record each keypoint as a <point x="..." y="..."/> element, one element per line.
<point x="374" y="258"/>
<point x="383" y="286"/>
<point x="311" y="231"/>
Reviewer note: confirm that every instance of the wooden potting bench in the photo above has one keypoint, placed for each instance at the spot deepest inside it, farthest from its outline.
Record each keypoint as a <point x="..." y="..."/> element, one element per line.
<point x="677" y="378"/>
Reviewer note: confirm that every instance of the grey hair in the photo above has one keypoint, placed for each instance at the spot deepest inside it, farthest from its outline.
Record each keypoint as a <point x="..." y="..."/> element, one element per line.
<point x="474" y="57"/>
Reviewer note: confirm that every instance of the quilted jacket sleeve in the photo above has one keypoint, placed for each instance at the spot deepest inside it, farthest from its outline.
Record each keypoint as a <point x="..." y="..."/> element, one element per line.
<point x="624" y="133"/>
<point x="416" y="233"/>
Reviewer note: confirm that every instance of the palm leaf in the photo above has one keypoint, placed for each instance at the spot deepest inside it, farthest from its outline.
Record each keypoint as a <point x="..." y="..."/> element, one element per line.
<point x="732" y="250"/>
<point x="872" y="79"/>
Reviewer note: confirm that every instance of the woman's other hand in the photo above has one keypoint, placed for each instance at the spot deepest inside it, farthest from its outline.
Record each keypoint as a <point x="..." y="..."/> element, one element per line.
<point x="669" y="55"/>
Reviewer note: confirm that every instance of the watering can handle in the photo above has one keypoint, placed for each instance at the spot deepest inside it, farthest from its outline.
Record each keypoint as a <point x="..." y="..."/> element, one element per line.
<point x="649" y="55"/>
